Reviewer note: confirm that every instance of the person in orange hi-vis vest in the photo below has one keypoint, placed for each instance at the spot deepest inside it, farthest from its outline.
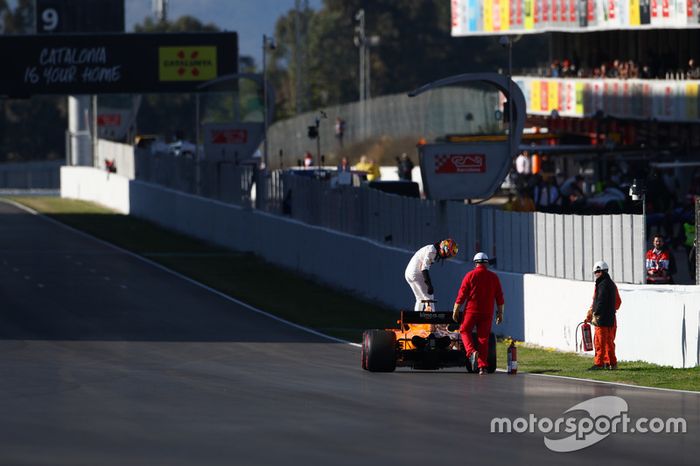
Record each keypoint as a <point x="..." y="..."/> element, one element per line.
<point x="606" y="301"/>
<point x="535" y="161"/>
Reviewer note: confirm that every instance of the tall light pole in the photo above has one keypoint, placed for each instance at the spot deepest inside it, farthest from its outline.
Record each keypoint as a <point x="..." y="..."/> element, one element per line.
<point x="160" y="9"/>
<point x="363" y="43"/>
<point x="638" y="192"/>
<point x="507" y="41"/>
<point x="360" y="42"/>
<point x="268" y="43"/>
<point x="300" y="54"/>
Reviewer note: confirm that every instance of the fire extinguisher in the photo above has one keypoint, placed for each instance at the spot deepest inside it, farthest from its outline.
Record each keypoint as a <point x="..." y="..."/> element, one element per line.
<point x="586" y="336"/>
<point x="512" y="358"/>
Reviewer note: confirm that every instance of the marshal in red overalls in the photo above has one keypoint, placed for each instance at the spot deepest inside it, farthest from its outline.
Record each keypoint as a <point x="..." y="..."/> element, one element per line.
<point x="480" y="288"/>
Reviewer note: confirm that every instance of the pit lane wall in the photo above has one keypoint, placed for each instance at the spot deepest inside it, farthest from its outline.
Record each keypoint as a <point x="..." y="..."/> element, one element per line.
<point x="658" y="324"/>
<point x="90" y="184"/>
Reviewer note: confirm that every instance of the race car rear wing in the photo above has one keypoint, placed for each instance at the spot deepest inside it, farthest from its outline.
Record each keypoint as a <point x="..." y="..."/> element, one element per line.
<point x="412" y="317"/>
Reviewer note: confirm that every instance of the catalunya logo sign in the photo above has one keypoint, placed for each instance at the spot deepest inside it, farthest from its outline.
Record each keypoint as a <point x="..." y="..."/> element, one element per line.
<point x="460" y="163"/>
<point x="187" y="63"/>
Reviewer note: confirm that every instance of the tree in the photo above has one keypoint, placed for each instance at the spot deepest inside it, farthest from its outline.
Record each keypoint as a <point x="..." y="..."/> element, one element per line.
<point x="327" y="72"/>
<point x="20" y="20"/>
<point x="182" y="24"/>
<point x="415" y="47"/>
<point x="33" y="129"/>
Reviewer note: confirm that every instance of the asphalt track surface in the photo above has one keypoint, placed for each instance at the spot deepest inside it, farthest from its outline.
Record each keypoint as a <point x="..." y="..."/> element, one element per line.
<point x="106" y="359"/>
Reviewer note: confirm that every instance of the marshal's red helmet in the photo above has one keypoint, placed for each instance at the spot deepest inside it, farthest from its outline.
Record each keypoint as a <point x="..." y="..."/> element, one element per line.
<point x="448" y="248"/>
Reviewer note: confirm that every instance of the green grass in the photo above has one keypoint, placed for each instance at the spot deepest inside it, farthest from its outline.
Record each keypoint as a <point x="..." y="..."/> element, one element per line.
<point x="538" y="360"/>
<point x="301" y="300"/>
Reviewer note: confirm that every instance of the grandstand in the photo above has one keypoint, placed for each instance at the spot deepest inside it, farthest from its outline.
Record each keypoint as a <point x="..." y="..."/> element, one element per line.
<point x="622" y="77"/>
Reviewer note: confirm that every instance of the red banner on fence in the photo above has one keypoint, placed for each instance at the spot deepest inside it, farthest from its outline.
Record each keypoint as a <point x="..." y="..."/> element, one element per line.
<point x="229" y="136"/>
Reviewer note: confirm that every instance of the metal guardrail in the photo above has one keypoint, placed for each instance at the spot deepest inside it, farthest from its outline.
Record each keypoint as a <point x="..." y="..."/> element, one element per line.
<point x="31" y="175"/>
<point x="225" y="181"/>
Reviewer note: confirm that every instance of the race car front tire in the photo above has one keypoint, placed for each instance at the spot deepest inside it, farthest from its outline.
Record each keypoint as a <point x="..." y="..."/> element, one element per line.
<point x="379" y="351"/>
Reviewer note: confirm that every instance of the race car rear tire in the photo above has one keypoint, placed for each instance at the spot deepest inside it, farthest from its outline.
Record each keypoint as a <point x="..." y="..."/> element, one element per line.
<point x="491" y="358"/>
<point x="365" y="338"/>
<point x="379" y="351"/>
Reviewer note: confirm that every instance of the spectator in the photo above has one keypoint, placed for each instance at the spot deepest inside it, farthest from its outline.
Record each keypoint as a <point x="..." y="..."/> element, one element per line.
<point x="547" y="197"/>
<point x="368" y="166"/>
<point x="405" y="167"/>
<point x="344" y="165"/>
<point x="606" y="302"/>
<point x="603" y="71"/>
<point x="555" y="69"/>
<point x="566" y="69"/>
<point x="308" y="160"/>
<point x="693" y="71"/>
<point x="523" y="166"/>
<point x="633" y="70"/>
<point x="535" y="163"/>
<point x="572" y="194"/>
<point x="659" y="263"/>
<point x="343" y="176"/>
<point x="663" y="68"/>
<point x="339" y="130"/>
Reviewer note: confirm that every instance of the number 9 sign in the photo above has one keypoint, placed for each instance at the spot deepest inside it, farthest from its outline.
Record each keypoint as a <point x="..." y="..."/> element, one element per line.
<point x="49" y="19"/>
<point x="48" y="16"/>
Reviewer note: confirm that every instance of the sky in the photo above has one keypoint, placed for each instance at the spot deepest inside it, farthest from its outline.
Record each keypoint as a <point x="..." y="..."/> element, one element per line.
<point x="249" y="18"/>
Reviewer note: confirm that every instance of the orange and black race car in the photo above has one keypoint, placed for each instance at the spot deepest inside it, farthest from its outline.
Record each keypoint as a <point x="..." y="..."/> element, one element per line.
<point x="425" y="340"/>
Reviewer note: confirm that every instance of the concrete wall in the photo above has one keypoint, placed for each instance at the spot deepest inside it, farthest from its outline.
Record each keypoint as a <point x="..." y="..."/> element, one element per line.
<point x="658" y="324"/>
<point x="121" y="154"/>
<point x="90" y="184"/>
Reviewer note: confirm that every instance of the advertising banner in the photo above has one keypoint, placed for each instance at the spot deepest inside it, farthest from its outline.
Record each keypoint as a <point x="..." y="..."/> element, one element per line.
<point x="472" y="17"/>
<point x="113" y="123"/>
<point x="462" y="171"/>
<point x="621" y="98"/>
<point x="234" y="142"/>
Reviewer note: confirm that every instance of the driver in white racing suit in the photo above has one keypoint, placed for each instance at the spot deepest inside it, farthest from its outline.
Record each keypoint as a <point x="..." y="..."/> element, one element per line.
<point x="417" y="274"/>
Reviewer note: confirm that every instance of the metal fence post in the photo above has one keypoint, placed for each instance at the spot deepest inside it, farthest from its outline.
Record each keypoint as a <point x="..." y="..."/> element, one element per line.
<point x="695" y="244"/>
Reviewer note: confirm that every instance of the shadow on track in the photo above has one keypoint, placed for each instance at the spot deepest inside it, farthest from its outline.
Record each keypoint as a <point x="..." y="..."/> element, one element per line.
<point x="57" y="284"/>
